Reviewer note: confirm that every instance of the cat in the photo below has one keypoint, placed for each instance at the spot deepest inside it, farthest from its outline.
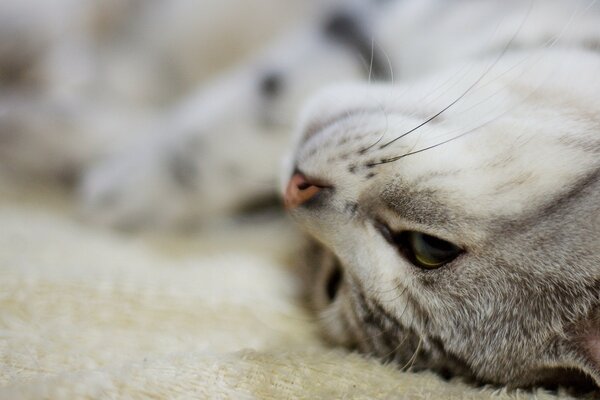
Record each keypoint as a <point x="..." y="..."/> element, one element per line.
<point x="457" y="216"/>
<point x="221" y="148"/>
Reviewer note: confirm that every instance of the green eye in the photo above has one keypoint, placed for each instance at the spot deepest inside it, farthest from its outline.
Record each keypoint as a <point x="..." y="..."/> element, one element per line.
<point x="429" y="252"/>
<point x="424" y="251"/>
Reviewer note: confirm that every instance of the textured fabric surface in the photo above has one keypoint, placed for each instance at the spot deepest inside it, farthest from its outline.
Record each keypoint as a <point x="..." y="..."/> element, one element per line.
<point x="86" y="313"/>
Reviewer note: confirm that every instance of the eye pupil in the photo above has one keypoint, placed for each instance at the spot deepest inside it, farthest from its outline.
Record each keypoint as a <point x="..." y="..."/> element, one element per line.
<point x="424" y="251"/>
<point x="430" y="244"/>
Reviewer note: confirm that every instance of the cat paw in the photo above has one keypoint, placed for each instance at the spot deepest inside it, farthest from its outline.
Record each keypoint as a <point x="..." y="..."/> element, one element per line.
<point x="141" y="188"/>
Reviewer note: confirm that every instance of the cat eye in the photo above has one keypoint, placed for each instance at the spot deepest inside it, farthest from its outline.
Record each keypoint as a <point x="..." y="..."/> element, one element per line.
<point x="424" y="251"/>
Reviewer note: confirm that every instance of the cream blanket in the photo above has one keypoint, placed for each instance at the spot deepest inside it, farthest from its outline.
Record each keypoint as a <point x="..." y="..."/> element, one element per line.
<point x="87" y="313"/>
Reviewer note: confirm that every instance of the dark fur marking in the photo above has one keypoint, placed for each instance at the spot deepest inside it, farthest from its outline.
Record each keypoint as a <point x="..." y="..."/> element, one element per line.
<point x="351" y="208"/>
<point x="271" y="85"/>
<point x="423" y="179"/>
<point x="403" y="342"/>
<point x="453" y="364"/>
<point x="372" y="318"/>
<point x="554" y="205"/>
<point x="419" y="206"/>
<point x="346" y="28"/>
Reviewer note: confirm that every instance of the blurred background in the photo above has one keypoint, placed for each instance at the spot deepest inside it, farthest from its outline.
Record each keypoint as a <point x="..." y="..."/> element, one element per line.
<point x="84" y="80"/>
<point x="144" y="53"/>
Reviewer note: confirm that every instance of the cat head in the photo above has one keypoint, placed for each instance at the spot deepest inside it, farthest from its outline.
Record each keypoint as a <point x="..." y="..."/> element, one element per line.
<point x="460" y="217"/>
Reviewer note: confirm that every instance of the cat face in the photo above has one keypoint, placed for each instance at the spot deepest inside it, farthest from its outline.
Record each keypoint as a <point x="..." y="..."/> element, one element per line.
<point x="460" y="217"/>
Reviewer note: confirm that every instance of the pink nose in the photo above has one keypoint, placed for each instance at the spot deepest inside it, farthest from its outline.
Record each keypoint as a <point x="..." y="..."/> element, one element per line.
<point x="300" y="190"/>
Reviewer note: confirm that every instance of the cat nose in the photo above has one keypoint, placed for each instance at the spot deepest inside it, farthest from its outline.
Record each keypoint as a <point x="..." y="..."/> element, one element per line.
<point x="300" y="190"/>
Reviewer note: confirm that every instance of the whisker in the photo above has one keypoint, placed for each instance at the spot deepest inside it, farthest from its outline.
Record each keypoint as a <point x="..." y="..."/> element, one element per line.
<point x="570" y="22"/>
<point x="485" y="73"/>
<point x="387" y="58"/>
<point x="548" y="44"/>
<point x="413" y="359"/>
<point x="434" y="90"/>
<point x="399" y="295"/>
<point x="399" y="345"/>
<point x="372" y="57"/>
<point x="393" y="159"/>
<point x="395" y="288"/>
